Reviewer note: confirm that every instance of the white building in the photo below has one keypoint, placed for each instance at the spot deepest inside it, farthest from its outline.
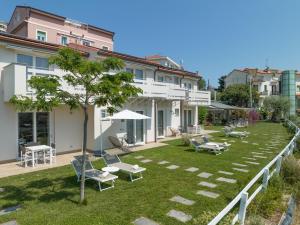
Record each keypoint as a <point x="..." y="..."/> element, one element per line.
<point x="170" y="97"/>
<point x="3" y="26"/>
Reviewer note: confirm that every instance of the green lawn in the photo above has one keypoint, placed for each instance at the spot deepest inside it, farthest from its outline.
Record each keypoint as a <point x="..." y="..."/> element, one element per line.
<point x="51" y="196"/>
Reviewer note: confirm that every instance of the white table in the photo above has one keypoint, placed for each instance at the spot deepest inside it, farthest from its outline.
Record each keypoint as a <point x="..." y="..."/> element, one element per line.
<point x="39" y="148"/>
<point x="110" y="169"/>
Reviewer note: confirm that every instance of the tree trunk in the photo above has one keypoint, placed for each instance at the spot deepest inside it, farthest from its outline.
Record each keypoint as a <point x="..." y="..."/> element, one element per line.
<point x="82" y="181"/>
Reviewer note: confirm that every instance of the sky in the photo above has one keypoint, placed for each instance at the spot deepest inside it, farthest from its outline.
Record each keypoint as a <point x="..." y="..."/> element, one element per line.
<point x="210" y="36"/>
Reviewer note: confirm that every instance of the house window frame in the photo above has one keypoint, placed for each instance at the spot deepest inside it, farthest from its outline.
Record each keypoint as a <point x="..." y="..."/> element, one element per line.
<point x="87" y="41"/>
<point x="104" y="46"/>
<point x="160" y="78"/>
<point x="61" y="40"/>
<point x="46" y="35"/>
<point x="135" y="74"/>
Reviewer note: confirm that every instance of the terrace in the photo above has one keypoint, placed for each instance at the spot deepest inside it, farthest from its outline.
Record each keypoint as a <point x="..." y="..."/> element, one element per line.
<point x="178" y="181"/>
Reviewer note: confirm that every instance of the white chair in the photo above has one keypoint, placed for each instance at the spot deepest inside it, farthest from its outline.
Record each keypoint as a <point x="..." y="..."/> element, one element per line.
<point x="47" y="155"/>
<point x="25" y="156"/>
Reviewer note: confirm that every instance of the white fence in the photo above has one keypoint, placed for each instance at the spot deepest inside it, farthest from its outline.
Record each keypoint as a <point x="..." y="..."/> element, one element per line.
<point x="243" y="197"/>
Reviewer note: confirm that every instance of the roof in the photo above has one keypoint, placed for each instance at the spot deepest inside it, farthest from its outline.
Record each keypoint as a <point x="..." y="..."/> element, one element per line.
<point x="15" y="39"/>
<point x="63" y="18"/>
<point x="85" y="50"/>
<point x="259" y="71"/>
<point x="154" y="57"/>
<point x="219" y="105"/>
<point x="157" y="57"/>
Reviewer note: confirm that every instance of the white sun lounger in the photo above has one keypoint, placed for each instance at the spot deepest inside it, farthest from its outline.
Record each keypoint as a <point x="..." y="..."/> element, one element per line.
<point x="93" y="174"/>
<point x="114" y="160"/>
<point x="212" y="148"/>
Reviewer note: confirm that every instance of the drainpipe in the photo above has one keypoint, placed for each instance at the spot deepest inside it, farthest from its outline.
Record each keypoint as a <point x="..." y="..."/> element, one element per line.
<point x="155" y="120"/>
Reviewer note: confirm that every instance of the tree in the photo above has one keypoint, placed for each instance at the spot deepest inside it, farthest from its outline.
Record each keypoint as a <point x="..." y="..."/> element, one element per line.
<point x="201" y="84"/>
<point x="221" y="83"/>
<point x="99" y="88"/>
<point x="202" y="114"/>
<point x="238" y="95"/>
<point x="277" y="106"/>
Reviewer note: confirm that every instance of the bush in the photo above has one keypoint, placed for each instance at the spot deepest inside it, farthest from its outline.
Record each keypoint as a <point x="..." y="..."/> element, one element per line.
<point x="185" y="139"/>
<point x="290" y="170"/>
<point x="202" y="114"/>
<point x="296" y="191"/>
<point x="270" y="200"/>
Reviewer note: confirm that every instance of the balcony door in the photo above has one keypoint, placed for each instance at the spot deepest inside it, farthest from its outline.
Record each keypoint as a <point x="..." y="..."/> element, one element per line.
<point x="160" y="123"/>
<point x="33" y="127"/>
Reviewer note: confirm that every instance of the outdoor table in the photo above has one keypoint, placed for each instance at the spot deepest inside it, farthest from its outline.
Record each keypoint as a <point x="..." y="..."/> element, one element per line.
<point x="110" y="169"/>
<point x="39" y="148"/>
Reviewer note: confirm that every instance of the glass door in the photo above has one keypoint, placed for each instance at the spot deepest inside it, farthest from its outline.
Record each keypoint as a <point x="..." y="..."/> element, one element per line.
<point x="25" y="127"/>
<point x="130" y="131"/>
<point x="42" y="128"/>
<point x="160" y="123"/>
<point x="139" y="129"/>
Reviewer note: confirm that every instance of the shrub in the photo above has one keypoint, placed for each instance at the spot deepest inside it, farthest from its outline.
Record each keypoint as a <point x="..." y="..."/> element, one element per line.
<point x="202" y="114"/>
<point x="290" y="170"/>
<point x="207" y="216"/>
<point x="185" y="139"/>
<point x="296" y="191"/>
<point x="270" y="200"/>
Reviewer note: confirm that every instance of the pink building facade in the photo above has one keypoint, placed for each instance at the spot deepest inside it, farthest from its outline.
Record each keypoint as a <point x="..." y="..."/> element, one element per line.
<point x="43" y="26"/>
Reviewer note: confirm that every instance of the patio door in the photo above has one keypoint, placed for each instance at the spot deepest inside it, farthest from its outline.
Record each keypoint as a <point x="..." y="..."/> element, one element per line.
<point x="33" y="127"/>
<point x="160" y="123"/>
<point x="135" y="131"/>
<point x="187" y="119"/>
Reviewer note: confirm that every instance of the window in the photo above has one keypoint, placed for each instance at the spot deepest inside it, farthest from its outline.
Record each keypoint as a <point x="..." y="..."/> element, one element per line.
<point x="64" y="40"/>
<point x="129" y="70"/>
<point x="176" y="80"/>
<point x="25" y="60"/>
<point x="188" y="86"/>
<point x="265" y="88"/>
<point x="86" y="43"/>
<point x="103" y="113"/>
<point x="41" y="35"/>
<point x="176" y="112"/>
<point x="105" y="48"/>
<point x="41" y="63"/>
<point x="160" y="78"/>
<point x="139" y="74"/>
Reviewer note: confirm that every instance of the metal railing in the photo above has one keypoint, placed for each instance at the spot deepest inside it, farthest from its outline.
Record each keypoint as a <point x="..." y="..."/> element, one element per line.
<point x="243" y="197"/>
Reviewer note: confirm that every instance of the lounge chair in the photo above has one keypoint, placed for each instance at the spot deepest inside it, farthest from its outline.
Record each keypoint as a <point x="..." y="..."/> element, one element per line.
<point x="175" y="132"/>
<point x="114" y="160"/>
<point x="210" y="147"/>
<point x="93" y="174"/>
<point x="225" y="145"/>
<point x="231" y="133"/>
<point x="118" y="144"/>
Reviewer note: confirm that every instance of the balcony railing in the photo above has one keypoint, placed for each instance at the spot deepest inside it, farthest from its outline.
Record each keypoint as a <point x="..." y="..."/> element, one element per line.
<point x="16" y="77"/>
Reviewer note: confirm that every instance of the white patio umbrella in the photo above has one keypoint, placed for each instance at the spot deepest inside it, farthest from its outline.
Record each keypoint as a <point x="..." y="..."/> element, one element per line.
<point x="123" y="115"/>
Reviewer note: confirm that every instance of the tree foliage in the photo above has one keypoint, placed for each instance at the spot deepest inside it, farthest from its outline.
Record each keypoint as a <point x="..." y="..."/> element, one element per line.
<point x="202" y="84"/>
<point x="239" y="95"/>
<point x="277" y="106"/>
<point x="202" y="114"/>
<point x="221" y="82"/>
<point x="89" y="84"/>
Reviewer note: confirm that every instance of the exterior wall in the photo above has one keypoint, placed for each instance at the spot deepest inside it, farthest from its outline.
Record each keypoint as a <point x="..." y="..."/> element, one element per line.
<point x="235" y="77"/>
<point x="55" y="29"/>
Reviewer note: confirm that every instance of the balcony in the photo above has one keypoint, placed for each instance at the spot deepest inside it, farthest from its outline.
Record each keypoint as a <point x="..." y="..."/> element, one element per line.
<point x="16" y="77"/>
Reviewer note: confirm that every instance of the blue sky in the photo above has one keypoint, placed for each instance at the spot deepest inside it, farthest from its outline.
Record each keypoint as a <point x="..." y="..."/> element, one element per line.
<point x="211" y="36"/>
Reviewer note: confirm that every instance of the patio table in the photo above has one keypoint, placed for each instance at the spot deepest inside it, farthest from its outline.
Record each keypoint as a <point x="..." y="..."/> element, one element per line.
<point x="39" y="148"/>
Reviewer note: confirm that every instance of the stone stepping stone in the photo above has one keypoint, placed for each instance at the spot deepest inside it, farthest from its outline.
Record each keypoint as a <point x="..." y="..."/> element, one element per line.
<point x="182" y="200"/>
<point x="227" y="180"/>
<point x="172" y="167"/>
<point x="257" y="153"/>
<point x="163" y="162"/>
<point x="232" y="141"/>
<point x="207" y="184"/>
<point x="9" y="210"/>
<point x="259" y="156"/>
<point x="254" y="163"/>
<point x="249" y="158"/>
<point x="208" y="194"/>
<point x="255" y="144"/>
<point x="144" y="221"/>
<point x="146" y="160"/>
<point x="2" y="190"/>
<point x="241" y="170"/>
<point x="179" y="215"/>
<point x="13" y="222"/>
<point x="238" y="164"/>
<point x="139" y="157"/>
<point x="224" y="139"/>
<point x="225" y="172"/>
<point x="192" y="169"/>
<point x="245" y="142"/>
<point x="204" y="175"/>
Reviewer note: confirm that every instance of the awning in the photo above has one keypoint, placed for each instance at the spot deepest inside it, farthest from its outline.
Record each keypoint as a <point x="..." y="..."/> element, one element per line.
<point x="128" y="115"/>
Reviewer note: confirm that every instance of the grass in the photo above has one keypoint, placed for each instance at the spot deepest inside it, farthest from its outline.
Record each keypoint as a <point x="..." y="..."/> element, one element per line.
<point x="51" y="196"/>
